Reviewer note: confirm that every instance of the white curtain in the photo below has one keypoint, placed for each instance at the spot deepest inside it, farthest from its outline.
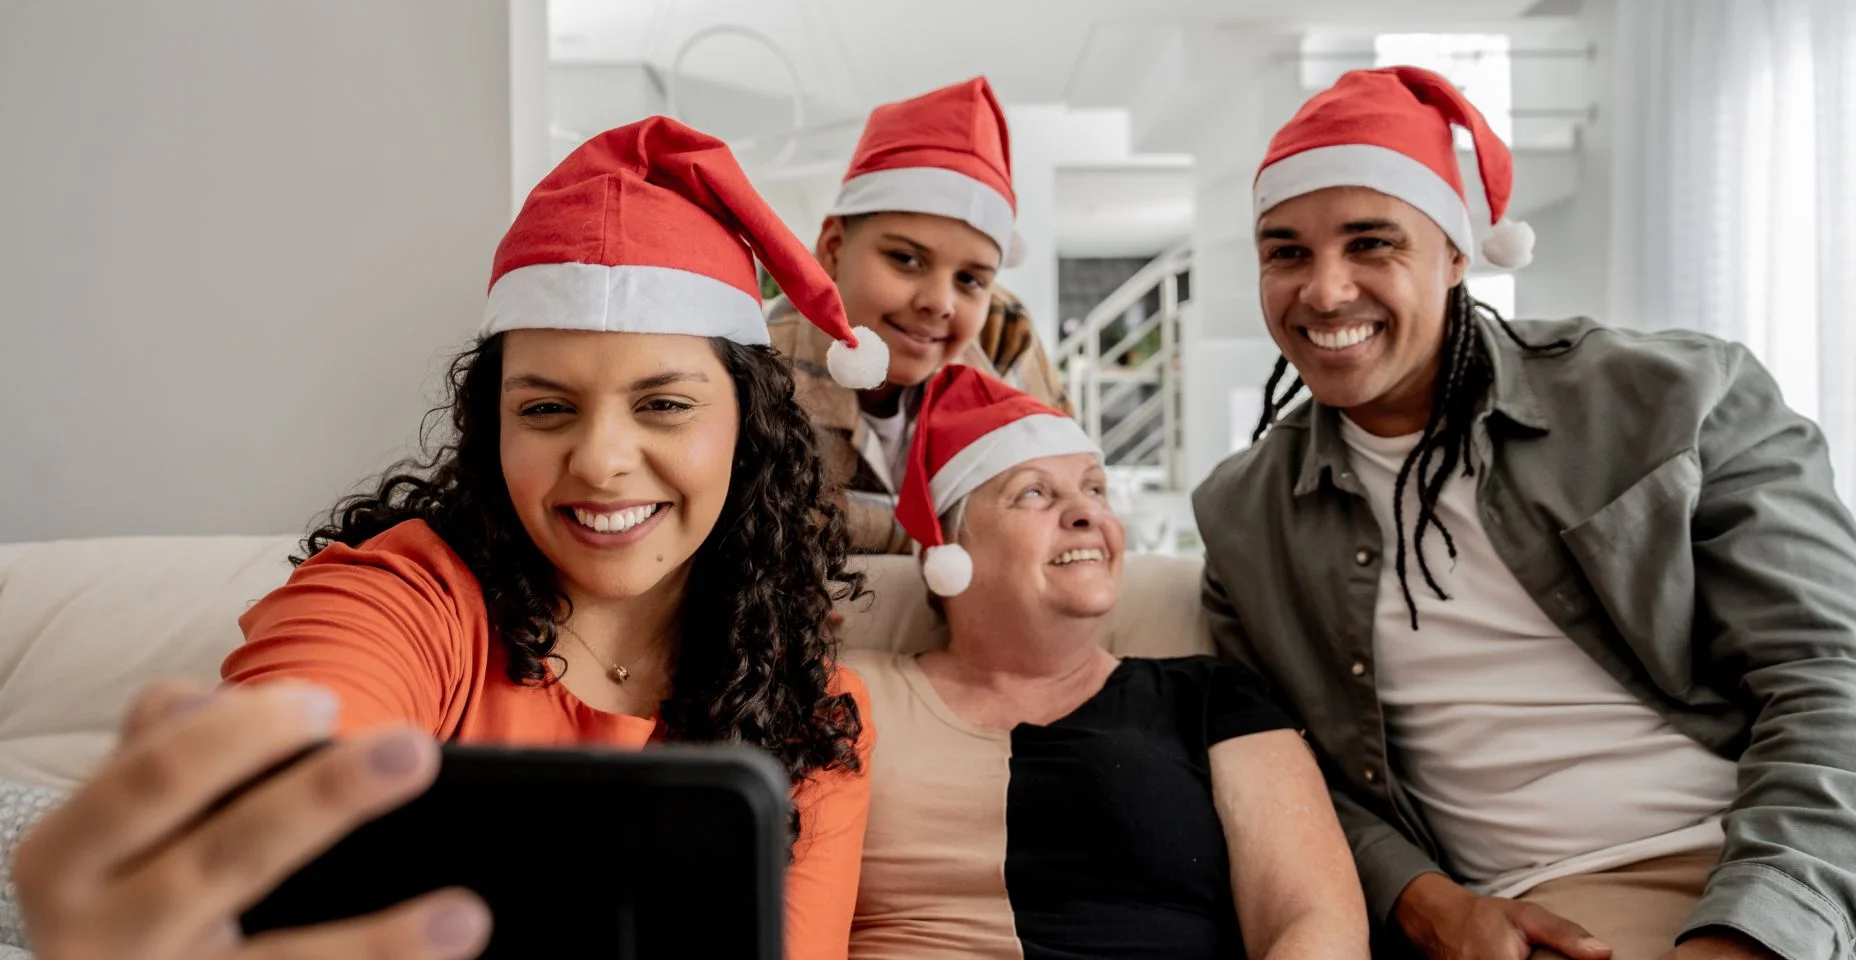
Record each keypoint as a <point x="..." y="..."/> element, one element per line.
<point x="1734" y="189"/>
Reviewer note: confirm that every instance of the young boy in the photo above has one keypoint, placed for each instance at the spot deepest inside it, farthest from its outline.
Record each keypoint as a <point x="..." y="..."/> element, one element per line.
<point x="920" y="230"/>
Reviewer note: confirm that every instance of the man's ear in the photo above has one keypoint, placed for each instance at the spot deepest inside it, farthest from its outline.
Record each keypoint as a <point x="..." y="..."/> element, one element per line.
<point x="1459" y="266"/>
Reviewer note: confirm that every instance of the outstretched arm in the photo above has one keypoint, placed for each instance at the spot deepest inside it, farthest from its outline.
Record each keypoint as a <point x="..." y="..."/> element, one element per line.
<point x="1298" y="897"/>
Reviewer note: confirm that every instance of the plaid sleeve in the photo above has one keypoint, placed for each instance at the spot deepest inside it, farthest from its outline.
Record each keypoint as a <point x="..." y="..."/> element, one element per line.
<point x="1018" y="354"/>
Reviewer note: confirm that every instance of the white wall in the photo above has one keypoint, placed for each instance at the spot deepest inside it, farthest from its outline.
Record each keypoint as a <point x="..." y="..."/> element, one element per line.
<point x="1046" y="138"/>
<point x="237" y="237"/>
<point x="1232" y="88"/>
<point x="529" y="156"/>
<point x="1134" y="209"/>
<point x="587" y="98"/>
<point x="1571" y="272"/>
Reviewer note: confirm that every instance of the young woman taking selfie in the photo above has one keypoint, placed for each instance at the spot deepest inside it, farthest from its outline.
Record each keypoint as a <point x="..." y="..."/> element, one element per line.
<point x="625" y="539"/>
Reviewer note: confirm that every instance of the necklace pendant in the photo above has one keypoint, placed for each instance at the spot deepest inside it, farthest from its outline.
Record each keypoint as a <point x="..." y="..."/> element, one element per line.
<point x="621" y="674"/>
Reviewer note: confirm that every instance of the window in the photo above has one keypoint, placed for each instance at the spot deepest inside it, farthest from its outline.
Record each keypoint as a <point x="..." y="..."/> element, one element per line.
<point x="1496" y="290"/>
<point x="1477" y="63"/>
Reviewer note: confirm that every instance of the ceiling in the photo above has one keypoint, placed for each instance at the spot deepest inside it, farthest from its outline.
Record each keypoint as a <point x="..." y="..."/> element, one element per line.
<point x="1122" y="211"/>
<point x="846" y="56"/>
<point x="850" y="55"/>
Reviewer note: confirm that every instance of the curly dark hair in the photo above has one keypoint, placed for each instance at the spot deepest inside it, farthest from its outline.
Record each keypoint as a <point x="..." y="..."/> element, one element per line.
<point x="754" y="666"/>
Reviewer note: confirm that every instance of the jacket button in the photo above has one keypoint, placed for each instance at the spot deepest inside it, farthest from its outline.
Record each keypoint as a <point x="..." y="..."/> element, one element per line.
<point x="1372" y="776"/>
<point x="1363" y="557"/>
<point x="1358" y="669"/>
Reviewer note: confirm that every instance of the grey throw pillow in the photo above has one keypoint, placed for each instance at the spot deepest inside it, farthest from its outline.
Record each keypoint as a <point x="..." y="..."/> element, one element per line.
<point x="21" y="806"/>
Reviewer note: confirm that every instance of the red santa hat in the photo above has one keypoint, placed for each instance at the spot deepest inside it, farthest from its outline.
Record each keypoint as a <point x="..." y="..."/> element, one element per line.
<point x="947" y="153"/>
<point x="653" y="228"/>
<point x="1389" y="130"/>
<point x="971" y="428"/>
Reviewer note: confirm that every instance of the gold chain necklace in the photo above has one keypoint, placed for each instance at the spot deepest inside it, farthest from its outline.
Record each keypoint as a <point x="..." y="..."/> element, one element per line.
<point x="617" y="672"/>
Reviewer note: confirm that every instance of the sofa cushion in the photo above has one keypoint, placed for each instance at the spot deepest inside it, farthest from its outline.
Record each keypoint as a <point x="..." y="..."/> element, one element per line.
<point x="86" y="624"/>
<point x="1158" y="613"/>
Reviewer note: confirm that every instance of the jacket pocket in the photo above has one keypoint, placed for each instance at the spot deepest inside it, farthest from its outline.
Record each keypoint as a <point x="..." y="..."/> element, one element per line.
<point x="1637" y="554"/>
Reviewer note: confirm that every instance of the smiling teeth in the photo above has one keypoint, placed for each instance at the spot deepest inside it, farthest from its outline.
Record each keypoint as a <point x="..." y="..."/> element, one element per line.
<point x="1342" y="339"/>
<point x="616" y="522"/>
<point x="1078" y="556"/>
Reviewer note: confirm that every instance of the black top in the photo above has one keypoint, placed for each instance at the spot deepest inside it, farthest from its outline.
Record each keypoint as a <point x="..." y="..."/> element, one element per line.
<point x="1113" y="845"/>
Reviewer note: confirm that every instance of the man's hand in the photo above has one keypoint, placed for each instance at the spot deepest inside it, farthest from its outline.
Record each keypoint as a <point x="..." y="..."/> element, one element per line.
<point x="1448" y="922"/>
<point x="1720" y="945"/>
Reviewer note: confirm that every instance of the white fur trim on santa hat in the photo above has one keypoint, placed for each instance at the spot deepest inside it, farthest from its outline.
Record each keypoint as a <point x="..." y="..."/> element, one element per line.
<point x="622" y="299"/>
<point x="948" y="569"/>
<point x="1510" y="245"/>
<point x="1377" y="168"/>
<point x="1027" y="438"/>
<point x="944" y="193"/>
<point x="863" y="367"/>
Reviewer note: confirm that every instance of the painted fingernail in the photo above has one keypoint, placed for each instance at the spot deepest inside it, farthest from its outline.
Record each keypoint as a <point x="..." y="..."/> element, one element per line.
<point x="394" y="757"/>
<point x="320" y="706"/>
<point x="455" y="924"/>
<point x="181" y="706"/>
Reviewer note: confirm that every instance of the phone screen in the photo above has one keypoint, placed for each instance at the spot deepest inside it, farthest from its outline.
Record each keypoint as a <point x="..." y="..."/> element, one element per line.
<point x="669" y="852"/>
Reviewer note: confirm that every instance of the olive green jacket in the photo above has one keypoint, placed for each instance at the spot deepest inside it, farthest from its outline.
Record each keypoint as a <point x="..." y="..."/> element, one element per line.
<point x="1663" y="506"/>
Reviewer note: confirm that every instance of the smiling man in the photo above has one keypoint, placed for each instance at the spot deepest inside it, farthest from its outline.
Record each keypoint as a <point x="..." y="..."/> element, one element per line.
<point x="922" y="225"/>
<point x="1565" y="609"/>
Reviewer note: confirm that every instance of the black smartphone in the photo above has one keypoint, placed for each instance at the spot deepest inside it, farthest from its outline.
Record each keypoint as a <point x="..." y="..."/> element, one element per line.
<point x="670" y="852"/>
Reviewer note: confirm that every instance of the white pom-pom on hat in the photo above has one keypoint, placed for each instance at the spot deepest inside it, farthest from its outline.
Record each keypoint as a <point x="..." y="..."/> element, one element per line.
<point x="948" y="569"/>
<point x="1510" y="245"/>
<point x="863" y="367"/>
<point x="970" y="428"/>
<point x="1015" y="252"/>
<point x="1390" y="130"/>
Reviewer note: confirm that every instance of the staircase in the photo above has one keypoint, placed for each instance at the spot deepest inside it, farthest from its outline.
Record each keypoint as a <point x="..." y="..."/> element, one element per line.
<point x="1122" y="371"/>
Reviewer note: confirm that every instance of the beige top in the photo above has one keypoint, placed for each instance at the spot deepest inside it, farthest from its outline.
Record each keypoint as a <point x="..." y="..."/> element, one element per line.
<point x="933" y="882"/>
<point x="1529" y="761"/>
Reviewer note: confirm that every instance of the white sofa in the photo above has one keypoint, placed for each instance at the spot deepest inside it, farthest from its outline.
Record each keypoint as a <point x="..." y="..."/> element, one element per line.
<point x="85" y="624"/>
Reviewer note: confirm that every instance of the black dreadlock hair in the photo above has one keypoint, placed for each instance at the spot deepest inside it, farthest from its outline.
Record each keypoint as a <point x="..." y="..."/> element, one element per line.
<point x="1463" y="378"/>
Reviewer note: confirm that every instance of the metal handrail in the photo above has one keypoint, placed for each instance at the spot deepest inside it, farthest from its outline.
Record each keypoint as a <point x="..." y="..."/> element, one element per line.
<point x="1129" y="427"/>
<point x="1098" y="387"/>
<point x="1147" y="448"/>
<point x="1125" y="297"/>
<point x="1147" y="372"/>
<point x="1132" y="339"/>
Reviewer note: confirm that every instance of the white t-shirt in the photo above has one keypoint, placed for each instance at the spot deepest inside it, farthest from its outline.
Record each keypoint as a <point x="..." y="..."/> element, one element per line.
<point x="1529" y="761"/>
<point x="892" y="437"/>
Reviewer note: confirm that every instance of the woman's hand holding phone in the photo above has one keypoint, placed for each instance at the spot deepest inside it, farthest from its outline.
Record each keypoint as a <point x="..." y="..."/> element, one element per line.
<point x="150" y="860"/>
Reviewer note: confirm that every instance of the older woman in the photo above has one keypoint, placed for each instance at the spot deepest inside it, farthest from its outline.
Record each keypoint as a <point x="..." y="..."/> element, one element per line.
<point x="1034" y="795"/>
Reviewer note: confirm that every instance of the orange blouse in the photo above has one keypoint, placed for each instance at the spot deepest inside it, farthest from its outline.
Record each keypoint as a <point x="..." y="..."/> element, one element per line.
<point x="398" y="629"/>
